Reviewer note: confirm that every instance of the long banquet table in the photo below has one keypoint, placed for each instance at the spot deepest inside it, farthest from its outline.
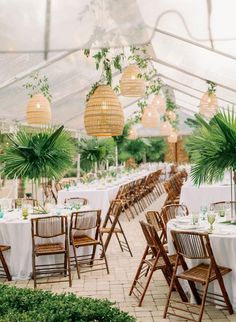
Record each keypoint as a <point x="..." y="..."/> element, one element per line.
<point x="16" y="232"/>
<point x="98" y="195"/>
<point x="223" y="242"/>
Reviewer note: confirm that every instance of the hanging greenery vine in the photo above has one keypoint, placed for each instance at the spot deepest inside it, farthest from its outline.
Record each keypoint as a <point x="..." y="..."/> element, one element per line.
<point x="138" y="56"/>
<point x="37" y="84"/>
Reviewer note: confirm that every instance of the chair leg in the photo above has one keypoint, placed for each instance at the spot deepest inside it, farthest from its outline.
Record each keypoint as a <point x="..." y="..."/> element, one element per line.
<point x="104" y="254"/>
<point x="225" y="294"/>
<point x="203" y="302"/>
<point x="34" y="270"/>
<point x="76" y="261"/>
<point x="65" y="264"/>
<point x="5" y="267"/>
<point x="93" y="255"/>
<point x="138" y="271"/>
<point x="69" y="268"/>
<point x="126" y="241"/>
<point x="152" y="270"/>
<point x="172" y="283"/>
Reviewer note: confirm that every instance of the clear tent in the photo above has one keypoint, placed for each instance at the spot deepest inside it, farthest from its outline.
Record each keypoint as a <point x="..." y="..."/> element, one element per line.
<point x="190" y="41"/>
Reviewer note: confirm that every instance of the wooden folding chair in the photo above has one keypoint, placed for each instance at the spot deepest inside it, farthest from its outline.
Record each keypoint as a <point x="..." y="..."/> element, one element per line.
<point x="169" y="212"/>
<point x="53" y="228"/>
<point x="155" y="219"/>
<point x="4" y="270"/>
<point x="112" y="226"/>
<point x="77" y="200"/>
<point x="154" y="258"/>
<point x="193" y="245"/>
<point x="85" y="232"/>
<point x="26" y="201"/>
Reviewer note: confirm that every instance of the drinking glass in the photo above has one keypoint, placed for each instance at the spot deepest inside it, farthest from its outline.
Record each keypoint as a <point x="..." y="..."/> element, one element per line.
<point x="211" y="217"/>
<point x="25" y="213"/>
<point x="222" y="211"/>
<point x="195" y="218"/>
<point x="203" y="210"/>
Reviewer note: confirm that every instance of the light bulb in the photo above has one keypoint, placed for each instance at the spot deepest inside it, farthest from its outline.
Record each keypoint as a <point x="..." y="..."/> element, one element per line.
<point x="38" y="105"/>
<point x="104" y="105"/>
<point x="133" y="77"/>
<point x="149" y="114"/>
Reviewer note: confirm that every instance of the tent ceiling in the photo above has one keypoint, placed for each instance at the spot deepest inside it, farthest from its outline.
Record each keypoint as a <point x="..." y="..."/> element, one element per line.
<point x="191" y="41"/>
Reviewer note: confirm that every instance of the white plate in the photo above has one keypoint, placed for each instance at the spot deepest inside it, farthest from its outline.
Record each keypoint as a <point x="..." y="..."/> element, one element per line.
<point x="184" y="219"/>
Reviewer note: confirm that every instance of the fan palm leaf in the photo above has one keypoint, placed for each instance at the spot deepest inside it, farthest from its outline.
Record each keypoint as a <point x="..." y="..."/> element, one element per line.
<point x="212" y="147"/>
<point x="47" y="153"/>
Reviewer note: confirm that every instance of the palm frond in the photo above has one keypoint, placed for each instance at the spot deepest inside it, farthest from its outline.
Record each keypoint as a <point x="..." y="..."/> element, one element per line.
<point x="46" y="153"/>
<point x="212" y="147"/>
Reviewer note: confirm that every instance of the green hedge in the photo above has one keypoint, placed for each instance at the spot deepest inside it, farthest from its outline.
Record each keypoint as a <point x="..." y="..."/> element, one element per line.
<point x="25" y="305"/>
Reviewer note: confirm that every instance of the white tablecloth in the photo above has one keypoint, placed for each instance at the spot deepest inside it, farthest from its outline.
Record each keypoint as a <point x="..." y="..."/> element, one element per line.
<point x="16" y="232"/>
<point x="223" y="243"/>
<point x="195" y="197"/>
<point x="99" y="197"/>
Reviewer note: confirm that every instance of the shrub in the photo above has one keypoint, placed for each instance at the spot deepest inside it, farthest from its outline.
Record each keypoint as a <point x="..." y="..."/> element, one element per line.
<point x="25" y="305"/>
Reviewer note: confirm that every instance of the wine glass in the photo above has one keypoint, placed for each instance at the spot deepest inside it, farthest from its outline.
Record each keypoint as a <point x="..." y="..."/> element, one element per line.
<point x="211" y="217"/>
<point x="203" y="210"/>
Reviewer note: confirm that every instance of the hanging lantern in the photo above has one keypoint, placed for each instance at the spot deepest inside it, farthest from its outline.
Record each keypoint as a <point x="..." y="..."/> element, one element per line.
<point x="159" y="103"/>
<point x="173" y="137"/>
<point x="165" y="128"/>
<point x="104" y="115"/>
<point x="171" y="115"/>
<point x="208" y="105"/>
<point x="131" y="84"/>
<point x="133" y="133"/>
<point x="150" y="118"/>
<point x="38" y="110"/>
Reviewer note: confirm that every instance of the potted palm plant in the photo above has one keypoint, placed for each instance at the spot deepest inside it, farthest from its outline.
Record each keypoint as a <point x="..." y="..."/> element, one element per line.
<point x="45" y="153"/>
<point x="212" y="149"/>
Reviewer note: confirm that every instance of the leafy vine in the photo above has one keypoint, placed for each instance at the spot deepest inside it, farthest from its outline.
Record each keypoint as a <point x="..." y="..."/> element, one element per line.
<point x="37" y="84"/>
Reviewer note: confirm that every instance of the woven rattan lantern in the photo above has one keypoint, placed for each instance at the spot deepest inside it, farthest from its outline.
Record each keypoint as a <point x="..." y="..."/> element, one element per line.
<point x="208" y="105"/>
<point x="38" y="110"/>
<point x="133" y="133"/>
<point x="150" y="118"/>
<point x="104" y="115"/>
<point x="173" y="137"/>
<point x="171" y="115"/>
<point x="165" y="128"/>
<point x="159" y="103"/>
<point x="131" y="84"/>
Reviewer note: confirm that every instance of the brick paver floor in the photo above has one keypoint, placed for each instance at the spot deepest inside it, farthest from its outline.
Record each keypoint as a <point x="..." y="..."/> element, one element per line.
<point x="116" y="285"/>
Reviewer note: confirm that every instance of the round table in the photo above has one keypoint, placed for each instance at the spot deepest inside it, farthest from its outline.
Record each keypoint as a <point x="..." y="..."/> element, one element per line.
<point x="223" y="243"/>
<point x="195" y="197"/>
<point x="16" y="232"/>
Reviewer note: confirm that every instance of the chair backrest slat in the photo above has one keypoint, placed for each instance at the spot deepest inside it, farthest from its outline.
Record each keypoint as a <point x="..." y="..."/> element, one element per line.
<point x="192" y="244"/>
<point x="48" y="227"/>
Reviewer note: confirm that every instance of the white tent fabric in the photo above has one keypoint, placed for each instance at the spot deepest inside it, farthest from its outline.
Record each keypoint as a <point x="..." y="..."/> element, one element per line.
<point x="191" y="41"/>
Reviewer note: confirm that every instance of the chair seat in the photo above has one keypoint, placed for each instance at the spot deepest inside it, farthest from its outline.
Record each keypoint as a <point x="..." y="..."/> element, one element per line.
<point x="84" y="240"/>
<point x="3" y="248"/>
<point x="161" y="263"/>
<point x="106" y="230"/>
<point x="199" y="273"/>
<point x="53" y="248"/>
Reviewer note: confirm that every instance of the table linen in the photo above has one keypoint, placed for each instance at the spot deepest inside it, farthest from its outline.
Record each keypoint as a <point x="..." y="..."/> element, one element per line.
<point x="223" y="243"/>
